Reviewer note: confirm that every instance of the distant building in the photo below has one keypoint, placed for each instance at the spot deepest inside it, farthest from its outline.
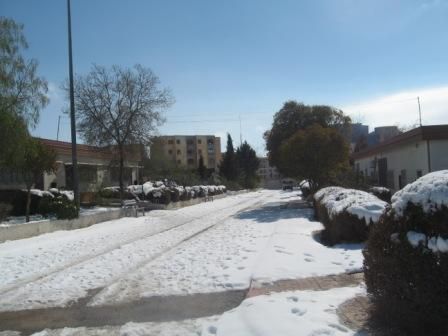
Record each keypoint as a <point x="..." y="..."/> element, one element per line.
<point x="358" y="130"/>
<point x="401" y="159"/>
<point x="381" y="134"/>
<point x="186" y="150"/>
<point x="98" y="167"/>
<point x="269" y="176"/>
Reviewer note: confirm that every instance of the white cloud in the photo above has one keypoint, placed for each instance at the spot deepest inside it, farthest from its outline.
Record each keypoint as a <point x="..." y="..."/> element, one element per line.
<point x="402" y="108"/>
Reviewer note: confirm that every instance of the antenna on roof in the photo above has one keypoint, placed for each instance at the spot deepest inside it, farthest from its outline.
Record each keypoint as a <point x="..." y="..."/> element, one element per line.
<point x="419" y="111"/>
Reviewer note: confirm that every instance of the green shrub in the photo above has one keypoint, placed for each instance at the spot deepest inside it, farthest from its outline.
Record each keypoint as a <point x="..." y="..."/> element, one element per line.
<point x="5" y="209"/>
<point x="17" y="199"/>
<point x="341" y="228"/>
<point x="166" y="196"/>
<point x="408" y="285"/>
<point x="46" y="206"/>
<point x="64" y="208"/>
<point x="406" y="278"/>
<point x="382" y="193"/>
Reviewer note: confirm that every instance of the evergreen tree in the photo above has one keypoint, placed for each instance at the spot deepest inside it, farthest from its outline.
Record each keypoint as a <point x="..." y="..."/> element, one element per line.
<point x="247" y="160"/>
<point x="228" y="167"/>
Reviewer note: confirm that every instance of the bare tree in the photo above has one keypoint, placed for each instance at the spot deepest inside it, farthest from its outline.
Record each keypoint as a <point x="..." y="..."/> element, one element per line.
<point x="119" y="106"/>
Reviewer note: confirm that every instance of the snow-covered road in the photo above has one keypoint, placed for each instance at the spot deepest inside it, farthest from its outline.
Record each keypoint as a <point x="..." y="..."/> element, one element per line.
<point x="230" y="244"/>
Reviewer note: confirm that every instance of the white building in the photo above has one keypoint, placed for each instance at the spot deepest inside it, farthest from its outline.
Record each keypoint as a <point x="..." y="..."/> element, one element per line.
<point x="269" y="176"/>
<point x="405" y="157"/>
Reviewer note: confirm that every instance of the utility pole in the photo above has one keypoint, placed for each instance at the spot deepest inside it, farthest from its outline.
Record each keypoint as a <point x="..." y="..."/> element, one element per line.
<point x="59" y="123"/>
<point x="419" y="111"/>
<point x="75" y="176"/>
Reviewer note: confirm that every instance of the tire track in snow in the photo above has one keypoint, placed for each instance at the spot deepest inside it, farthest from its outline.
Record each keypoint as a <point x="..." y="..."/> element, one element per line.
<point x="31" y="293"/>
<point x="87" y="257"/>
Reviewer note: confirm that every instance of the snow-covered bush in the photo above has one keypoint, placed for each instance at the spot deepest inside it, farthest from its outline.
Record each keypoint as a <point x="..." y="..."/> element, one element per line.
<point x="305" y="188"/>
<point x="114" y="193"/>
<point x="346" y="213"/>
<point x="382" y="193"/>
<point x="136" y="189"/>
<point x="406" y="259"/>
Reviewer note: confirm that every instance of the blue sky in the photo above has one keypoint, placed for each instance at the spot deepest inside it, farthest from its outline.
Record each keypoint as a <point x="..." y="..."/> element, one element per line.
<point x="226" y="59"/>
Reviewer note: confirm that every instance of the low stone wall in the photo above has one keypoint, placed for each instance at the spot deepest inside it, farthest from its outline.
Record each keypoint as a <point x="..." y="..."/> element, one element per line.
<point x="27" y="230"/>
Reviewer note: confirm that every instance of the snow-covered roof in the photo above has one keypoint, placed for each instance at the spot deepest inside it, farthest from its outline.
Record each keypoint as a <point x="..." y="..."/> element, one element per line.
<point x="429" y="191"/>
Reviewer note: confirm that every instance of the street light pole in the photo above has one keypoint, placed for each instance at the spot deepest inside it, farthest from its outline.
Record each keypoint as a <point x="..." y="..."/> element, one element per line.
<point x="75" y="176"/>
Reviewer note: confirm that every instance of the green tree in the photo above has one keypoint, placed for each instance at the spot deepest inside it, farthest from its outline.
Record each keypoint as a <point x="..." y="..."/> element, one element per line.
<point x="318" y="154"/>
<point x="248" y="164"/>
<point x="119" y="107"/>
<point x="22" y="91"/>
<point x="228" y="167"/>
<point x="294" y="116"/>
<point x="13" y="135"/>
<point x="37" y="160"/>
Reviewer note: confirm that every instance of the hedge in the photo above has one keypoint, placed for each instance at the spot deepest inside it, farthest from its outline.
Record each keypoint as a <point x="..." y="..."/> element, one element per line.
<point x="346" y="214"/>
<point x="406" y="260"/>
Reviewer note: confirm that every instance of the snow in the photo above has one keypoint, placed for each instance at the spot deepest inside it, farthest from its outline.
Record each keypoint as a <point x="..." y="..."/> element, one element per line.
<point x="435" y="244"/>
<point x="68" y="193"/>
<point x="438" y="244"/>
<point x="190" y="327"/>
<point x="136" y="189"/>
<point x="356" y="202"/>
<point x="258" y="245"/>
<point x="379" y="189"/>
<point x="429" y="191"/>
<point x="305" y="184"/>
<point x="287" y="314"/>
<point x="209" y="247"/>
<point x="147" y="187"/>
<point x="416" y="238"/>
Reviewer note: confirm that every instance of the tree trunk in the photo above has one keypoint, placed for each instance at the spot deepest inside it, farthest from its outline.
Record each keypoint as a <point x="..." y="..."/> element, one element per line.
<point x="28" y="203"/>
<point x="120" y="173"/>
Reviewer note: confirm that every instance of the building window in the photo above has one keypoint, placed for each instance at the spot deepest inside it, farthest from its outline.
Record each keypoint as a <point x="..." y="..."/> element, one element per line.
<point x="199" y="141"/>
<point x="189" y="152"/>
<point x="178" y="141"/>
<point x="210" y="145"/>
<point x="190" y="142"/>
<point x="170" y="152"/>
<point x="88" y="174"/>
<point x="178" y="152"/>
<point x="200" y="151"/>
<point x="170" y="142"/>
<point x="419" y="173"/>
<point x="190" y="162"/>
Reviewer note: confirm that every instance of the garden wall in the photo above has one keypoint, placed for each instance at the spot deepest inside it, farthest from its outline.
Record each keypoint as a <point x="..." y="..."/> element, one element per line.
<point x="27" y="230"/>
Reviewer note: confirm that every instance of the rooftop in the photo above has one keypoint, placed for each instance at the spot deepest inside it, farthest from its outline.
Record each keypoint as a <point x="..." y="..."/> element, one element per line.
<point x="432" y="132"/>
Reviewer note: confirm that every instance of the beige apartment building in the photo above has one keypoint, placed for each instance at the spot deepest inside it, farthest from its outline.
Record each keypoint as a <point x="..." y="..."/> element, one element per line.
<point x="186" y="150"/>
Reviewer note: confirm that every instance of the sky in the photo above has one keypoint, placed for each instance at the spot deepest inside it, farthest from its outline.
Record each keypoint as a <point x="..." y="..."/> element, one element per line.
<point x="226" y="61"/>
